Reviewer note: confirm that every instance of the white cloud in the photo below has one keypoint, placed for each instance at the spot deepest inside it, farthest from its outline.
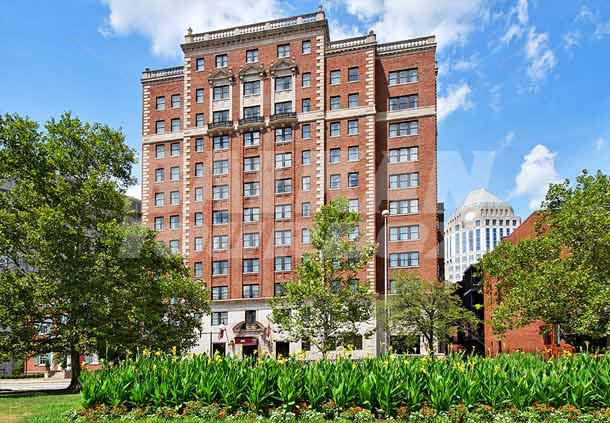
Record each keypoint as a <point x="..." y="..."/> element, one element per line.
<point x="517" y="29"/>
<point x="600" y="143"/>
<point x="536" y="174"/>
<point x="165" y="22"/>
<point x="495" y="97"/>
<point x="450" y="20"/>
<point x="541" y="58"/>
<point x="601" y="28"/>
<point x="135" y="191"/>
<point x="457" y="97"/>
<point x="505" y="142"/>
<point x="571" y="39"/>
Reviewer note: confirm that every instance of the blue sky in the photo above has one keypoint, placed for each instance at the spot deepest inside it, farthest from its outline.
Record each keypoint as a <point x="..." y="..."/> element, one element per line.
<point x="524" y="91"/>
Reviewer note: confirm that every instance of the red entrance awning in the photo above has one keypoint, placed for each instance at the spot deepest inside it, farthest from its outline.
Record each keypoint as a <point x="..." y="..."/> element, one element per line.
<point x="246" y="341"/>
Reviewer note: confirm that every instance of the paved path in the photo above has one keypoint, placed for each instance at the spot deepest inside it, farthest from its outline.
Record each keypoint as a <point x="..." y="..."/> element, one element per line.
<point x="13" y="385"/>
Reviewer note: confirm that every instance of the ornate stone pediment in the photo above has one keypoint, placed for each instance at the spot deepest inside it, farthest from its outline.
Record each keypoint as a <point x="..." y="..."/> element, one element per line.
<point x="283" y="64"/>
<point x="221" y="74"/>
<point x="252" y="69"/>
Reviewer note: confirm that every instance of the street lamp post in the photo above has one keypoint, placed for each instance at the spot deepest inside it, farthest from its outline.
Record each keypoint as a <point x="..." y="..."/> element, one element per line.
<point x="386" y="334"/>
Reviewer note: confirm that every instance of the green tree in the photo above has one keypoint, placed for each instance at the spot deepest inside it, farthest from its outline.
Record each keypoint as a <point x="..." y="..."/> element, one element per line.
<point x="326" y="303"/>
<point x="561" y="275"/>
<point x="73" y="267"/>
<point x="428" y="308"/>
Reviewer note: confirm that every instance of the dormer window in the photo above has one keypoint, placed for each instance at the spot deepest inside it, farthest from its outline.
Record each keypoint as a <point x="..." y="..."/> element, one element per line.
<point x="222" y="61"/>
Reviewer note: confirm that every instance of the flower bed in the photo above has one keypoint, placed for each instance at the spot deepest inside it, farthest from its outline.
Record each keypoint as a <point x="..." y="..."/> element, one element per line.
<point x="379" y="387"/>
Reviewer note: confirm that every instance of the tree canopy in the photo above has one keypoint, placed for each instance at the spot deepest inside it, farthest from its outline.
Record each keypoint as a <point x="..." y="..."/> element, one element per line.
<point x="326" y="304"/>
<point x="77" y="279"/>
<point x="562" y="274"/>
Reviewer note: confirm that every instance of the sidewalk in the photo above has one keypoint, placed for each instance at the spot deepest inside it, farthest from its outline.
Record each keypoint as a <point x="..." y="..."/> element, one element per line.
<point x="16" y="385"/>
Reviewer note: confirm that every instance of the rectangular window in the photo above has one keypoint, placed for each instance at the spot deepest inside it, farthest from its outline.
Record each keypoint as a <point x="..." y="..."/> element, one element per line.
<point x="354" y="234"/>
<point x="220" y="267"/>
<point x="199" y="145"/>
<point x="335" y="129"/>
<point x="252" y="139"/>
<point x="175" y="101"/>
<point x="220" y="116"/>
<point x="174" y="173"/>
<point x="252" y="112"/>
<point x="306" y="80"/>
<point x="198" y="243"/>
<point x="198" y="218"/>
<point x="353" y="153"/>
<point x="305" y="236"/>
<point x="159" y="151"/>
<point x="306" y="105"/>
<point x="403" y="129"/>
<point x="250" y="317"/>
<point x="250" y="291"/>
<point x="252" y="164"/>
<point x="160" y="127"/>
<point x="174" y="246"/>
<point x="353" y="205"/>
<point x="199" y="95"/>
<point x="176" y="125"/>
<point x="198" y="193"/>
<point x="306" y="47"/>
<point x="335" y="77"/>
<point x="220" y="292"/>
<point x="199" y="64"/>
<point x="353" y="74"/>
<point x="220" y="217"/>
<point x="306" y="209"/>
<point x="353" y="100"/>
<point x="174" y="197"/>
<point x="158" y="223"/>
<point x="283" y="83"/>
<point x="404" y="180"/>
<point x="283" y="263"/>
<point x="402" y="155"/>
<point x="199" y="169"/>
<point x="283" y="107"/>
<point x="251" y="240"/>
<point x="220" y="242"/>
<point x="283" y="186"/>
<point x="404" y="233"/>
<point x="334" y="155"/>
<point x="252" y="88"/>
<point x="353" y="179"/>
<point x="220" y="192"/>
<point x="251" y="214"/>
<point x="306" y="183"/>
<point x="306" y="131"/>
<point x="305" y="157"/>
<point x="352" y="127"/>
<point x="251" y="189"/>
<point x="174" y="149"/>
<point x="404" y="207"/>
<point x="283" y="238"/>
<point x="410" y="259"/>
<point x="403" y="102"/>
<point x="252" y="55"/>
<point x="198" y="269"/>
<point x="199" y="120"/>
<point x="174" y="222"/>
<point x="250" y="265"/>
<point x="220" y="167"/>
<point x="283" y="135"/>
<point x="160" y="103"/>
<point x="222" y="60"/>
<point x="335" y="102"/>
<point x="283" y="211"/>
<point x="335" y="181"/>
<point x="404" y="76"/>
<point x="159" y="175"/>
<point x="283" y="160"/>
<point x="283" y="50"/>
<point x="220" y="142"/>
<point x="159" y="199"/>
<point x="220" y="93"/>
<point x="220" y="318"/>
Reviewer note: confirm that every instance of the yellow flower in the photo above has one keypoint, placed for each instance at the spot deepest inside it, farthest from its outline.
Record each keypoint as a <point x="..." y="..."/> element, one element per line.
<point x="174" y="350"/>
<point x="158" y="353"/>
<point x="146" y="353"/>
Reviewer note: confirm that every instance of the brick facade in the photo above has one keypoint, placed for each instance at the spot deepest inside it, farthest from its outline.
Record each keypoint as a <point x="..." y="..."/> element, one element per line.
<point x="333" y="140"/>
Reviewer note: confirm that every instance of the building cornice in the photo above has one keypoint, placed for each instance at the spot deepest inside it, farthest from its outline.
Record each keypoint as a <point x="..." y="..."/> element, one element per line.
<point x="351" y="44"/>
<point x="407" y="46"/>
<point x="162" y="75"/>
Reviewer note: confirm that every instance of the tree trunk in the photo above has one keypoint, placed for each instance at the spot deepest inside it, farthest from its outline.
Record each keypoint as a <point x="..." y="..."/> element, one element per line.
<point x="75" y="367"/>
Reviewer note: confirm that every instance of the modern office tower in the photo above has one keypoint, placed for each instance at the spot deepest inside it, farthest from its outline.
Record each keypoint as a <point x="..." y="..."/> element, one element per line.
<point x="477" y="226"/>
<point x="260" y="126"/>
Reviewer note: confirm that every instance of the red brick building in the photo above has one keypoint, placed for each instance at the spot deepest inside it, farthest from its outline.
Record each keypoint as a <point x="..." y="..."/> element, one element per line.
<point x="263" y="124"/>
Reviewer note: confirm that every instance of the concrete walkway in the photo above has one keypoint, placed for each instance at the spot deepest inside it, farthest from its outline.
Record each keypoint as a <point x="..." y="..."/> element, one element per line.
<point x="17" y="385"/>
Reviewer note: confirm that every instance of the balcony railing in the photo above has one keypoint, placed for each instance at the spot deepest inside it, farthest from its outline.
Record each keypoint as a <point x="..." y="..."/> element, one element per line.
<point x="220" y="126"/>
<point x="252" y="121"/>
<point x="284" y="117"/>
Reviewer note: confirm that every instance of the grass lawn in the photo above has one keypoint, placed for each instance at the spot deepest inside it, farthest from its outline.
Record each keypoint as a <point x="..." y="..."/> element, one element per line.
<point x="37" y="408"/>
